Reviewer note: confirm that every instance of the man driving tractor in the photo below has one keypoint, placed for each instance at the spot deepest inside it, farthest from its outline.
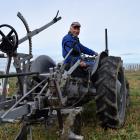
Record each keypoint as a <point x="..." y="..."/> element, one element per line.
<point x="71" y="41"/>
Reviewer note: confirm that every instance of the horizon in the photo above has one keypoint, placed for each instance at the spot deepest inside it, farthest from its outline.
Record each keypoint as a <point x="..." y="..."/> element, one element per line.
<point x="12" y="68"/>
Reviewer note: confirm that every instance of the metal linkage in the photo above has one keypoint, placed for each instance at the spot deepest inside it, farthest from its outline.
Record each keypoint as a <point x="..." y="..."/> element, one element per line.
<point x="28" y="31"/>
<point x="37" y="31"/>
<point x="19" y="74"/>
<point x="23" y="97"/>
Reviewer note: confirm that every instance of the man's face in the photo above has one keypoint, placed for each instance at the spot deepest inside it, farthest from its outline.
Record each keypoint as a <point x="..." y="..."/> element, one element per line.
<point x="75" y="30"/>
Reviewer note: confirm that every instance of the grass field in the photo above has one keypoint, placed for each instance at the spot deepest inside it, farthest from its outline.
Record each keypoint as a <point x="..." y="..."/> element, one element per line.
<point x="91" y="129"/>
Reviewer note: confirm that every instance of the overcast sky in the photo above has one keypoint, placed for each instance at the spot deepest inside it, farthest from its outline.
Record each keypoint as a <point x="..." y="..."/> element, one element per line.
<point x="120" y="17"/>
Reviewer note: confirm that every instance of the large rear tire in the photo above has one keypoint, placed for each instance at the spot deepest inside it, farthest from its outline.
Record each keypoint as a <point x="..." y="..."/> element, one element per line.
<point x="111" y="98"/>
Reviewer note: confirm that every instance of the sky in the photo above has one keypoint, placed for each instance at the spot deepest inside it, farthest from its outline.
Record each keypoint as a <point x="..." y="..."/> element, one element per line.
<point x="120" y="17"/>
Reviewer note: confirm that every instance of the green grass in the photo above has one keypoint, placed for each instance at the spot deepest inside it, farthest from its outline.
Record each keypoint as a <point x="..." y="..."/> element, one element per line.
<point x="91" y="128"/>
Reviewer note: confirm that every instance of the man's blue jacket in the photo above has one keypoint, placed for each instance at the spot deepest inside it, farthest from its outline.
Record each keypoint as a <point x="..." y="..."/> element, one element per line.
<point x="69" y="42"/>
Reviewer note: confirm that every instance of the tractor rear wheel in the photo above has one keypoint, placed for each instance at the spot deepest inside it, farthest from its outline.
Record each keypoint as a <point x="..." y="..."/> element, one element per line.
<point x="111" y="98"/>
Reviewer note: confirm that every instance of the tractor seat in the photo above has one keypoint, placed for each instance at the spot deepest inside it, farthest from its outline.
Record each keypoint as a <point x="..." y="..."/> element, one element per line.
<point x="79" y="72"/>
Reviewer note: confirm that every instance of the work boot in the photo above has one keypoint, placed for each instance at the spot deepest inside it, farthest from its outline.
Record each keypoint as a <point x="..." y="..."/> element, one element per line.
<point x="73" y="136"/>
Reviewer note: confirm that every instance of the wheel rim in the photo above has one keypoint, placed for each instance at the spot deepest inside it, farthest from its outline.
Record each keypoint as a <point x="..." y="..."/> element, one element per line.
<point x="121" y="98"/>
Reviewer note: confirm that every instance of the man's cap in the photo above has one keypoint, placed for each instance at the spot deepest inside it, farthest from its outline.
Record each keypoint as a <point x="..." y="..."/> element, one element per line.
<point x="74" y="24"/>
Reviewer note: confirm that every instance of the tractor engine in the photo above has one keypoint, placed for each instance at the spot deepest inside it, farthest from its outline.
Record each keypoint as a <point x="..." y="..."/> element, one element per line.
<point x="78" y="90"/>
<point x="76" y="87"/>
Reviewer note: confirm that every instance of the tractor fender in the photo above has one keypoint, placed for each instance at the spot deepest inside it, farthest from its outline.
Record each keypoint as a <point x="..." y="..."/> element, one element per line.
<point x="42" y="64"/>
<point x="98" y="59"/>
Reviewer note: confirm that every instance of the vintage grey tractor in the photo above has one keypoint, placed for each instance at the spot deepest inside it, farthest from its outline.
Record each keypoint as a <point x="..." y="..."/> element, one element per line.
<point x="47" y="90"/>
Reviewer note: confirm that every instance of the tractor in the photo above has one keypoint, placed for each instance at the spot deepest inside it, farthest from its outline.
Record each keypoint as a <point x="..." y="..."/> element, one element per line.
<point x="47" y="90"/>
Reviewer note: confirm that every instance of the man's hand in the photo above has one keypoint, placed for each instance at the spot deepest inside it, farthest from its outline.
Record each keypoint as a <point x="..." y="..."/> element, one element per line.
<point x="83" y="64"/>
<point x="96" y="54"/>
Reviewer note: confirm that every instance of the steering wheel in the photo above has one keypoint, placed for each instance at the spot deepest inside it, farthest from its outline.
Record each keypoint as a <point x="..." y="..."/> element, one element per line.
<point x="8" y="42"/>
